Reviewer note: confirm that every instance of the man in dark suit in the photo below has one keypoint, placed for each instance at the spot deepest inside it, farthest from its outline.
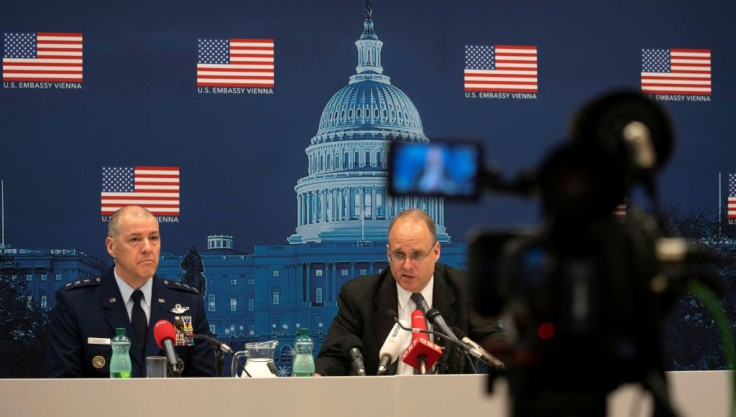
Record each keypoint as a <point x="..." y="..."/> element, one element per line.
<point x="413" y="252"/>
<point x="88" y="311"/>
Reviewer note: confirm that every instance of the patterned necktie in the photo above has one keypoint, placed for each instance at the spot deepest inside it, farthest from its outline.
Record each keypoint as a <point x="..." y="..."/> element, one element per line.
<point x="139" y="321"/>
<point x="419" y="301"/>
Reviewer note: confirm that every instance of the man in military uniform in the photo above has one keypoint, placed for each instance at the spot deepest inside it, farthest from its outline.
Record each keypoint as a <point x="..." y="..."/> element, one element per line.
<point x="88" y="311"/>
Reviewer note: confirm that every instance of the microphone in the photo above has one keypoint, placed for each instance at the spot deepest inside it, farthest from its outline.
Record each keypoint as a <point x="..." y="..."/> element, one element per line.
<point x="421" y="353"/>
<point x="478" y="352"/>
<point x="403" y="325"/>
<point x="352" y="347"/>
<point x="436" y="318"/>
<point x="418" y="323"/>
<point x="164" y="333"/>
<point x="390" y="350"/>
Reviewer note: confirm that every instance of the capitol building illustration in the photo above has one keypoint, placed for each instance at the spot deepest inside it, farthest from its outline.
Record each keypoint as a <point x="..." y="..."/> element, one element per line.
<point x="344" y="196"/>
<point x="343" y="210"/>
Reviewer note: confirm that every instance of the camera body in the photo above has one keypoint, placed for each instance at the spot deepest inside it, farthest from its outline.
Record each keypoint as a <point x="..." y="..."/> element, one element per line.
<point x="586" y="291"/>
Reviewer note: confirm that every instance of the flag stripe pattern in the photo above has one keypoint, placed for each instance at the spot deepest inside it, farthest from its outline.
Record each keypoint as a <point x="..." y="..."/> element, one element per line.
<point x="619" y="213"/>
<point x="155" y="188"/>
<point x="235" y="63"/>
<point x="501" y="68"/>
<point x="43" y="56"/>
<point x="676" y="71"/>
<point x="732" y="196"/>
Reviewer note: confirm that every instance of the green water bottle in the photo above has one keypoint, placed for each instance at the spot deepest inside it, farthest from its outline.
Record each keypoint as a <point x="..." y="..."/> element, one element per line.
<point x="120" y="366"/>
<point x="303" y="360"/>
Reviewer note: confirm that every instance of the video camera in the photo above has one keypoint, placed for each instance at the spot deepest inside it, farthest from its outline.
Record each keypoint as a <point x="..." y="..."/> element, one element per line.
<point x="587" y="292"/>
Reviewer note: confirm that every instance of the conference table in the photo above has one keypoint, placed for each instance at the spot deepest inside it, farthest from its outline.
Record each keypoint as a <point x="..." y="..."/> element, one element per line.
<point x="694" y="394"/>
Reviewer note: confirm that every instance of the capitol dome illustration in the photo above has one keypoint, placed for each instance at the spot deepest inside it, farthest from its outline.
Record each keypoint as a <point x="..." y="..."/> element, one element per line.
<point x="344" y="196"/>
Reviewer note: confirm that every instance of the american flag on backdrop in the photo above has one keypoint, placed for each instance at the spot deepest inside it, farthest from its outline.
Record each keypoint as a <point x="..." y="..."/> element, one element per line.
<point x="501" y="68"/>
<point x="676" y="71"/>
<point x="235" y="63"/>
<point x="732" y="196"/>
<point x="155" y="188"/>
<point x="43" y="56"/>
<point x="619" y="213"/>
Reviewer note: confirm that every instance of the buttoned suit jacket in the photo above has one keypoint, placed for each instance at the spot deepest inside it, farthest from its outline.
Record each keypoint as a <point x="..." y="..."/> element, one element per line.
<point x="363" y="306"/>
<point x="87" y="313"/>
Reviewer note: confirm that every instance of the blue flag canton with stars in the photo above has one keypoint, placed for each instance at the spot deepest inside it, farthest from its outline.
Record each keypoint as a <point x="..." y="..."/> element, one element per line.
<point x="20" y="45"/>
<point x="480" y="57"/>
<point x="213" y="51"/>
<point x="118" y="180"/>
<point x="655" y="60"/>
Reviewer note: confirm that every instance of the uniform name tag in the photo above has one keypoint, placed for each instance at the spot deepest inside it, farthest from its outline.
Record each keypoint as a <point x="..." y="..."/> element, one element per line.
<point x="98" y="341"/>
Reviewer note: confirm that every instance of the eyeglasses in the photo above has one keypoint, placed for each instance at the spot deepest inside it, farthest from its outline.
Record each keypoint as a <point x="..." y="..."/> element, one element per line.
<point x="400" y="258"/>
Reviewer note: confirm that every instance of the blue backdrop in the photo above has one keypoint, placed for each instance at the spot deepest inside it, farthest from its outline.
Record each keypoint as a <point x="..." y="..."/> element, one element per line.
<point x="241" y="152"/>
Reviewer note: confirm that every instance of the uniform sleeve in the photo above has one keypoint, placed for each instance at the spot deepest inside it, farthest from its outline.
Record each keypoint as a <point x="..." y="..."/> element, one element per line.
<point x="201" y="360"/>
<point x="63" y="351"/>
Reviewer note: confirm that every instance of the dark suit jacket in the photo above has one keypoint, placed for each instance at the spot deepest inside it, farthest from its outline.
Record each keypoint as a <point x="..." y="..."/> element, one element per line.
<point x="93" y="308"/>
<point x="363" y="304"/>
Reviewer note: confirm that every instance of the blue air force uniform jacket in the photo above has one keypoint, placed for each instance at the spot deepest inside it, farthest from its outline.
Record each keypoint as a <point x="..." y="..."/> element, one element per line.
<point x="88" y="311"/>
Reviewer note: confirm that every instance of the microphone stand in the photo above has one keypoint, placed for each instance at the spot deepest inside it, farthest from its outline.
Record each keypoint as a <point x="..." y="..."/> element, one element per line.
<point x="177" y="369"/>
<point x="219" y="359"/>
<point x="422" y="367"/>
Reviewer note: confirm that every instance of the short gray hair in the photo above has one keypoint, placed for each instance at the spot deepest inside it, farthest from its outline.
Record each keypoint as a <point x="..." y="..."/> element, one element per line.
<point x="419" y="214"/>
<point x="113" y="225"/>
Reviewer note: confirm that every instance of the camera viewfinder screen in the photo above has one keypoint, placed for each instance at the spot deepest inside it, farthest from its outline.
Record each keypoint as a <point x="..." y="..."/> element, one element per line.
<point x="440" y="168"/>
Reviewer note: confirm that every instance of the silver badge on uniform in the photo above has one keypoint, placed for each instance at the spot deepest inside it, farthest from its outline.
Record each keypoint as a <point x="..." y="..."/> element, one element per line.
<point x="178" y="309"/>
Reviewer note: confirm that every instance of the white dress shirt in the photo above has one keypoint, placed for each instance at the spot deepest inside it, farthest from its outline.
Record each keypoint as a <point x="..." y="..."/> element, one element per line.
<point x="405" y="308"/>
<point x="127" y="291"/>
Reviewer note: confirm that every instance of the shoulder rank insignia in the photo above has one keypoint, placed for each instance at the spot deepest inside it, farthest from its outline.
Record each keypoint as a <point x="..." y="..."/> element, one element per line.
<point x="82" y="283"/>
<point x="178" y="285"/>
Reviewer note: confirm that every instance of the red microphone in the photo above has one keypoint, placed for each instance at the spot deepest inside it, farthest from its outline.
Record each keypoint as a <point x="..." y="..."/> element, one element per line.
<point x="165" y="335"/>
<point x="421" y="353"/>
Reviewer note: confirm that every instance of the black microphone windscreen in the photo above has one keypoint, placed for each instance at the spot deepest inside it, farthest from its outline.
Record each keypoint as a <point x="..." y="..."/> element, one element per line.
<point x="432" y="313"/>
<point x="392" y="313"/>
<point x="351" y="341"/>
